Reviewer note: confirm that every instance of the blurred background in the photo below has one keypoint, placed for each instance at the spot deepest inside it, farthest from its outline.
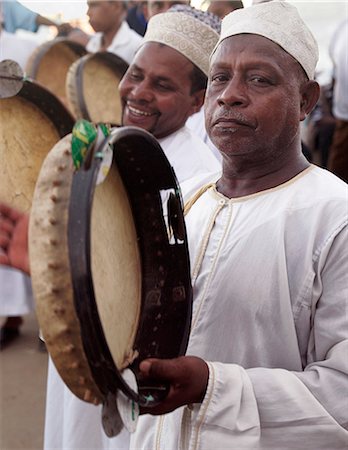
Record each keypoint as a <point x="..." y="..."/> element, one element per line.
<point x="321" y="16"/>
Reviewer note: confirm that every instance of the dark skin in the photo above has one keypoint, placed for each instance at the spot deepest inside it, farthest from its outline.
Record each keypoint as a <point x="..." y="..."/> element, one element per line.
<point x="14" y="238"/>
<point x="257" y="96"/>
<point x="156" y="90"/>
<point x="106" y="17"/>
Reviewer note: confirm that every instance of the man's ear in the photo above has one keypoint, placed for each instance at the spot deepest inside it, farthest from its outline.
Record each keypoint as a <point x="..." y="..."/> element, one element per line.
<point x="197" y="101"/>
<point x="310" y="92"/>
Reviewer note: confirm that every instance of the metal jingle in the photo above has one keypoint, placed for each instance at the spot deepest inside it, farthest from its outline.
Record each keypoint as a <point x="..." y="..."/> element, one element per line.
<point x="11" y="78"/>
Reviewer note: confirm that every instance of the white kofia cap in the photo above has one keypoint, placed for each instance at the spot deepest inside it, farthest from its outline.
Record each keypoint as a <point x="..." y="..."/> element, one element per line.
<point x="186" y="34"/>
<point x="281" y="23"/>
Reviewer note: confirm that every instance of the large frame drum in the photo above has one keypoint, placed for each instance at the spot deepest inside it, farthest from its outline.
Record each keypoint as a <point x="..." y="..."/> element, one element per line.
<point x="110" y="265"/>
<point x="31" y="122"/>
<point x="50" y="62"/>
<point x="92" y="87"/>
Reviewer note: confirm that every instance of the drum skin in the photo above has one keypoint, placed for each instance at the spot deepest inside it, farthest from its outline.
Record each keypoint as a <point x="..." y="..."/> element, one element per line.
<point x="50" y="272"/>
<point x="92" y="87"/>
<point x="50" y="62"/>
<point x="31" y="122"/>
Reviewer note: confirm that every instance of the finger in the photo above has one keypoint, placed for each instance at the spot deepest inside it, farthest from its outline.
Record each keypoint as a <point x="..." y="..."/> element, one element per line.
<point x="161" y="369"/>
<point x="4" y="260"/>
<point x="4" y="241"/>
<point x="6" y="225"/>
<point x="145" y="367"/>
<point x="8" y="212"/>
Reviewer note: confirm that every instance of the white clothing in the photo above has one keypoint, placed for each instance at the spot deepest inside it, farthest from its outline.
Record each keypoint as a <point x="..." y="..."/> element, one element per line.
<point x="196" y="123"/>
<point x="188" y="154"/>
<point x="339" y="55"/>
<point x="270" y="280"/>
<point x="16" y="296"/>
<point x="16" y="48"/>
<point x="124" y="44"/>
<point x="70" y="422"/>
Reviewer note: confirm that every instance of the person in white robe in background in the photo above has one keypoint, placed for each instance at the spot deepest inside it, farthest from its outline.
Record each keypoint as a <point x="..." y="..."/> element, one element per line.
<point x="113" y="34"/>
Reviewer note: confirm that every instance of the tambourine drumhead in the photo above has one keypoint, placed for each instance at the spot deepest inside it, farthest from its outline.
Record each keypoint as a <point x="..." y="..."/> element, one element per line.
<point x="115" y="267"/>
<point x="50" y="62"/>
<point x="92" y="87"/>
<point x="30" y="124"/>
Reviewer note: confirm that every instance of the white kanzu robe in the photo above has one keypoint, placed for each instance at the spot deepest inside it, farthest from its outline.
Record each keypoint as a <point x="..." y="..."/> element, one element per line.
<point x="270" y="278"/>
<point x="70" y="422"/>
<point x="124" y="44"/>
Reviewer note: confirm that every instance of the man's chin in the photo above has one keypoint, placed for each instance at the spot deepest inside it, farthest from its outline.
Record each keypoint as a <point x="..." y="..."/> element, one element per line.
<point x="140" y="122"/>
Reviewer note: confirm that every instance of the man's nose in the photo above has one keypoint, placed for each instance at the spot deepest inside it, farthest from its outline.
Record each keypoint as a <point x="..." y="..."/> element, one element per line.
<point x="143" y="91"/>
<point x="234" y="93"/>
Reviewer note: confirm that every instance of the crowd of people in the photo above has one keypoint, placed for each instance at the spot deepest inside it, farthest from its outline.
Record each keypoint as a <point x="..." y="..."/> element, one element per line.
<point x="224" y="92"/>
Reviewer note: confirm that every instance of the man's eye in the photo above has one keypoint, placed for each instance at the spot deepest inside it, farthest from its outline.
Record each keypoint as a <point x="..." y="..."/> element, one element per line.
<point x="164" y="87"/>
<point x="134" y="76"/>
<point x="256" y="79"/>
<point x="219" y="78"/>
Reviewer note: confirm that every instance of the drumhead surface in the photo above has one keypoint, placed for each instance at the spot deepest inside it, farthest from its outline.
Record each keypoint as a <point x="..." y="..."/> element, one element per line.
<point x="31" y="122"/>
<point x="92" y="87"/>
<point x="50" y="62"/>
<point x="116" y="267"/>
<point x="26" y="136"/>
<point x="50" y="272"/>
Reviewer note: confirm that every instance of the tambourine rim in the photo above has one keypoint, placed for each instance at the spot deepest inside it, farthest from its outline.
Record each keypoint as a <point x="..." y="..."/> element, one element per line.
<point x="117" y="135"/>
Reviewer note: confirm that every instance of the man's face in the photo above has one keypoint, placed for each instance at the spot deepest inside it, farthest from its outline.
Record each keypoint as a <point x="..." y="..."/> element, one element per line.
<point x="156" y="90"/>
<point x="253" y="99"/>
<point x="103" y="14"/>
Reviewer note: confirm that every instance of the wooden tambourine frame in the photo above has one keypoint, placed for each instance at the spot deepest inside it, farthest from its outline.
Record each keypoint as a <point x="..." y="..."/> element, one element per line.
<point x="48" y="65"/>
<point x="89" y="95"/>
<point x="68" y="309"/>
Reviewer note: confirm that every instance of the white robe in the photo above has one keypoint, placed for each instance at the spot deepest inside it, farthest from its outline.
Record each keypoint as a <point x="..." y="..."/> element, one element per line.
<point x="16" y="295"/>
<point x="124" y="44"/>
<point x="270" y="279"/>
<point x="71" y="423"/>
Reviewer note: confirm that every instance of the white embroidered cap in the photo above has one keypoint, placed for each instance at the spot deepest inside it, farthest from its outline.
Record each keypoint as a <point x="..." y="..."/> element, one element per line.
<point x="186" y="34"/>
<point x="281" y="23"/>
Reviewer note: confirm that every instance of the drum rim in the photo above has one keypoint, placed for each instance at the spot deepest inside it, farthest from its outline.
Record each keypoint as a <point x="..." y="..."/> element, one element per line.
<point x="36" y="57"/>
<point x="109" y="379"/>
<point x="75" y="78"/>
<point x="49" y="104"/>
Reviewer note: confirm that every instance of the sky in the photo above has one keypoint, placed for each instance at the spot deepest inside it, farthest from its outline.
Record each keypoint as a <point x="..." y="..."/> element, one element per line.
<point x="322" y="17"/>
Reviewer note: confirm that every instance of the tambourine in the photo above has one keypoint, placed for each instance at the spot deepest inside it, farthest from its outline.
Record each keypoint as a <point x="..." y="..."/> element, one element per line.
<point x="110" y="265"/>
<point x="32" y="120"/>
<point x="50" y="62"/>
<point x="92" y="87"/>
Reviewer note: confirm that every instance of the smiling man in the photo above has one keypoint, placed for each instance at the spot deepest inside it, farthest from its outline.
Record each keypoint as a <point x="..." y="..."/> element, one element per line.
<point x="166" y="83"/>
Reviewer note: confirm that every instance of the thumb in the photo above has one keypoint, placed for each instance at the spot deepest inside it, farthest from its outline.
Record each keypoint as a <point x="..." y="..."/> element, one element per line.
<point x="165" y="369"/>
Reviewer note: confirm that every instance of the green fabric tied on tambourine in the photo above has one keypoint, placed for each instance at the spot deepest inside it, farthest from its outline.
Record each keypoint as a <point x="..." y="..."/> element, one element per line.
<point x="84" y="136"/>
